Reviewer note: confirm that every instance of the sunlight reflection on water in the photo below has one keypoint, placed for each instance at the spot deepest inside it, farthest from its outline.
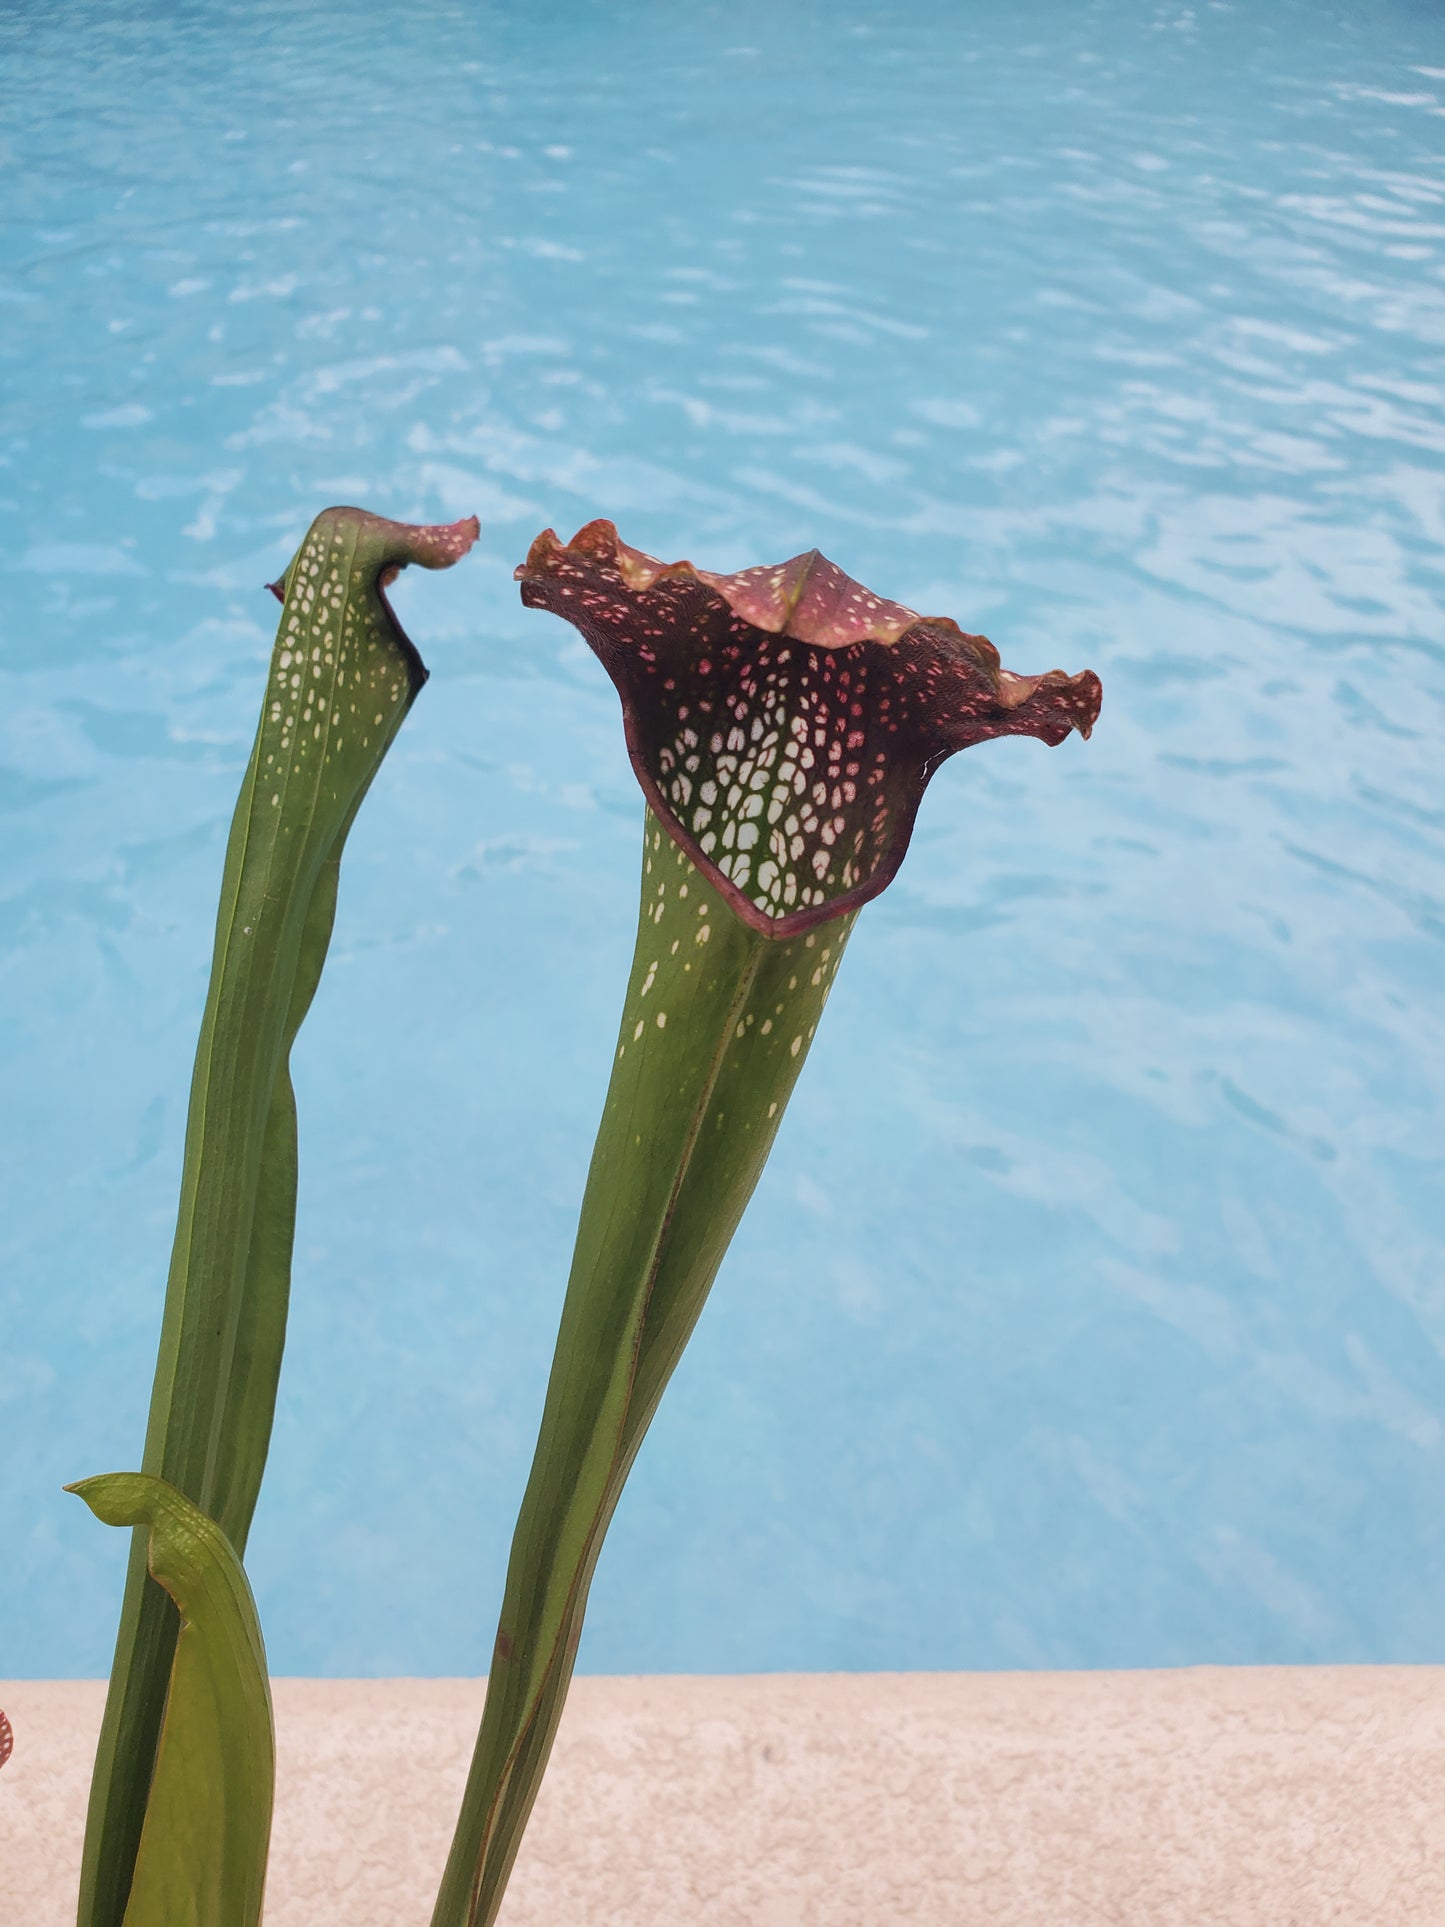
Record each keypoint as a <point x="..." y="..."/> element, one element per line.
<point x="1090" y="1312"/>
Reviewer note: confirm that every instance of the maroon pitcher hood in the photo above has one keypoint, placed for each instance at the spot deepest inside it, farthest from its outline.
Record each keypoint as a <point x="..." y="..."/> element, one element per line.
<point x="784" y="721"/>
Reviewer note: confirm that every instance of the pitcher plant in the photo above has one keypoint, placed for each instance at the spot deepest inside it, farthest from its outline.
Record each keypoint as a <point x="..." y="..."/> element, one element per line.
<point x="783" y="723"/>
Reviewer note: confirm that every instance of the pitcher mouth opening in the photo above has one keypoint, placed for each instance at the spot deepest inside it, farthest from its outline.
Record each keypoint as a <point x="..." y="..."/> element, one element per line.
<point x="784" y="721"/>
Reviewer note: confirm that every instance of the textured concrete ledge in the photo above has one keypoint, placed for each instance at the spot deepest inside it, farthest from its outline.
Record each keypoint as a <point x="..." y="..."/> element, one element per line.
<point x="1266" y="1797"/>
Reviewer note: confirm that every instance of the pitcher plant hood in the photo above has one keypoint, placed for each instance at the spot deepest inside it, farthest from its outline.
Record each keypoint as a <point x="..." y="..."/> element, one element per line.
<point x="784" y="721"/>
<point x="380" y="550"/>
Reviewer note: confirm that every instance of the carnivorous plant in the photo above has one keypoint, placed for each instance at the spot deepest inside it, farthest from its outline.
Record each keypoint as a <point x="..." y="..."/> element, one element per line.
<point x="783" y="723"/>
<point x="343" y="676"/>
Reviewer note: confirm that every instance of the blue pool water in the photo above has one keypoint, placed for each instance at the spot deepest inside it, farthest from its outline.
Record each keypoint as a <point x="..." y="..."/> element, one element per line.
<point x="1092" y="1309"/>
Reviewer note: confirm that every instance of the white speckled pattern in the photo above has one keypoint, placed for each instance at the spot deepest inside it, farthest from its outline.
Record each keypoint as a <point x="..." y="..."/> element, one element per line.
<point x="789" y="690"/>
<point x="1210" y="1797"/>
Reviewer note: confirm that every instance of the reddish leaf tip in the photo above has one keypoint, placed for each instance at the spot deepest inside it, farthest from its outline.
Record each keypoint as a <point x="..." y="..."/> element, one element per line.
<point x="435" y="545"/>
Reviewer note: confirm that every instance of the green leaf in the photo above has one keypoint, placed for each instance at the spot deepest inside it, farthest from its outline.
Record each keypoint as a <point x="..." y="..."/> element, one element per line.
<point x="202" y="1855"/>
<point x="717" y="1023"/>
<point x="783" y="723"/>
<point x="343" y="676"/>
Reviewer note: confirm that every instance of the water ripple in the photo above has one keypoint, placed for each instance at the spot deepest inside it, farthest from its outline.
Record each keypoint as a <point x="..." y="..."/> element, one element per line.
<point x="1113" y="330"/>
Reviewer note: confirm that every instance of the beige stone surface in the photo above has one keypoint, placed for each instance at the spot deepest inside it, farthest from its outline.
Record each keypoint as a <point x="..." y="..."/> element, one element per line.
<point x="1266" y="1797"/>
